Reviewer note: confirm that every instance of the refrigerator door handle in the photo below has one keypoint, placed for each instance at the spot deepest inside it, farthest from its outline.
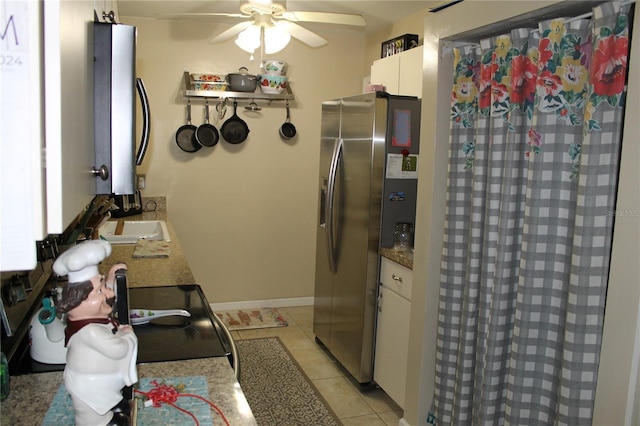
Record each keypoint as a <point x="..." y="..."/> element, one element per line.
<point x="330" y="225"/>
<point x="146" y="118"/>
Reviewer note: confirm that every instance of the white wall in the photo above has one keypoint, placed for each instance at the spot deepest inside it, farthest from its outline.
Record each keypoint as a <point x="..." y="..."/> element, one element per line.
<point x="245" y="214"/>
<point x="622" y="306"/>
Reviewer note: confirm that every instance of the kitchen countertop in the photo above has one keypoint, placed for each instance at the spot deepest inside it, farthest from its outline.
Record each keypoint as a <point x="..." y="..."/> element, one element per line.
<point x="403" y="258"/>
<point x="31" y="394"/>
<point x="152" y="271"/>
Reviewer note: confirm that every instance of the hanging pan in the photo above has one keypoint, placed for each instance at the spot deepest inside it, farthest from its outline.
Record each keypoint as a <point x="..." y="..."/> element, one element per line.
<point x="207" y="134"/>
<point x="185" y="135"/>
<point x="287" y="130"/>
<point x="235" y="130"/>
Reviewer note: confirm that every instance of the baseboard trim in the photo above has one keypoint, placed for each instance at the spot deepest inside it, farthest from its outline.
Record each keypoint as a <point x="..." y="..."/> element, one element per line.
<point x="403" y="422"/>
<point x="267" y="303"/>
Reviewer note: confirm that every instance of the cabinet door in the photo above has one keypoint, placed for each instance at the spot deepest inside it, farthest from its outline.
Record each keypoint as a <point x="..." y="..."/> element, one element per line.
<point x="68" y="106"/>
<point x="401" y="73"/>
<point x="22" y="219"/>
<point x="386" y="71"/>
<point x="392" y="344"/>
<point x="410" y="80"/>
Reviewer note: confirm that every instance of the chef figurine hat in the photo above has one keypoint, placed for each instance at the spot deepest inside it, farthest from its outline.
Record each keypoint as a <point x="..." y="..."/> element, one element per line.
<point x="81" y="261"/>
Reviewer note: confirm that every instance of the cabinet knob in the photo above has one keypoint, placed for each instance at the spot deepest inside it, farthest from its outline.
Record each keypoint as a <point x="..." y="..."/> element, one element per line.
<point x="102" y="172"/>
<point x="396" y="278"/>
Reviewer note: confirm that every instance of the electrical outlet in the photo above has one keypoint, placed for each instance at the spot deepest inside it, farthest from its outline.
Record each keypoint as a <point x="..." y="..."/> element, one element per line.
<point x="142" y="181"/>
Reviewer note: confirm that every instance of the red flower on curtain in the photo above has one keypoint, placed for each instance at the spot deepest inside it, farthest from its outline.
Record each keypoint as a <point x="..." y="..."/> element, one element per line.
<point x="500" y="93"/>
<point x="546" y="52"/>
<point x="549" y="84"/>
<point x="486" y="73"/>
<point x="523" y="79"/>
<point x="610" y="66"/>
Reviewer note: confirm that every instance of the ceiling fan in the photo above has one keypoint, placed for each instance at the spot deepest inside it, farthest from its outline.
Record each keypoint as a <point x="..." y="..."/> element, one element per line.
<point x="267" y="13"/>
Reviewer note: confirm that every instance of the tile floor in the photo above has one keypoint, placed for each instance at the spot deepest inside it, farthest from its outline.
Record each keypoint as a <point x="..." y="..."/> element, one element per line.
<point x="353" y="407"/>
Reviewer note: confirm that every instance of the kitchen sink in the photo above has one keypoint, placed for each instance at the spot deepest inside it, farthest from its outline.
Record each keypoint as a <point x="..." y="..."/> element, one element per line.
<point x="130" y="231"/>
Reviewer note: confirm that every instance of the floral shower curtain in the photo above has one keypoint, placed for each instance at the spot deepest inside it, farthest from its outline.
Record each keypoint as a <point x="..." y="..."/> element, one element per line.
<point x="535" y="139"/>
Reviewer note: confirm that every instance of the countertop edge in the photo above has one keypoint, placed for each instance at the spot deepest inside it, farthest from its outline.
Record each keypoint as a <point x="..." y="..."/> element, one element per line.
<point x="403" y="258"/>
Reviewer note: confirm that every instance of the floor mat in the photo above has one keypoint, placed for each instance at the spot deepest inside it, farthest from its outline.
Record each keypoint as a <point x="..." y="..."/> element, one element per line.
<point x="278" y="391"/>
<point x="246" y="319"/>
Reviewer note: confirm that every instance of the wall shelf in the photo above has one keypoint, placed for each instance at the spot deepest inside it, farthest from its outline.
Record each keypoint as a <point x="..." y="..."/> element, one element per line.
<point x="189" y="93"/>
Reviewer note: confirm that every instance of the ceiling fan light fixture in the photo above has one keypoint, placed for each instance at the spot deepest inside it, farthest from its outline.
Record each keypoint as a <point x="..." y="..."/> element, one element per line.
<point x="249" y="39"/>
<point x="275" y="39"/>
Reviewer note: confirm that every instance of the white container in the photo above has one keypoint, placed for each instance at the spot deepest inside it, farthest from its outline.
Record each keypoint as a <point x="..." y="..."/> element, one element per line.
<point x="275" y="67"/>
<point x="272" y="84"/>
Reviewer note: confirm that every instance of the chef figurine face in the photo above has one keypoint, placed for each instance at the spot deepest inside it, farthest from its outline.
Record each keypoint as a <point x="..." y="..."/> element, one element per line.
<point x="88" y="294"/>
<point x="98" y="303"/>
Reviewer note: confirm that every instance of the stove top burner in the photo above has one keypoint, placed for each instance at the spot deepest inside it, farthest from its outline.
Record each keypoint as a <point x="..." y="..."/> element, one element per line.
<point x="164" y="339"/>
<point x="176" y="338"/>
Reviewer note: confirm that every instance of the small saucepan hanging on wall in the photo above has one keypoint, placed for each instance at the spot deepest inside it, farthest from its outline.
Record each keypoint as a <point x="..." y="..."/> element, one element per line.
<point x="185" y="135"/>
<point x="207" y="134"/>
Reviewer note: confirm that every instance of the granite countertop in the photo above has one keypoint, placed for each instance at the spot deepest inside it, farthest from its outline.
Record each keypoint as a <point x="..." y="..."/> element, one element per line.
<point x="31" y="394"/>
<point x="402" y="257"/>
<point x="152" y="271"/>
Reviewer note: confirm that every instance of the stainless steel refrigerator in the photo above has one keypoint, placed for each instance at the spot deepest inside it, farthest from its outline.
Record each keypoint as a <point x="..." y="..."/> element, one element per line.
<point x="367" y="184"/>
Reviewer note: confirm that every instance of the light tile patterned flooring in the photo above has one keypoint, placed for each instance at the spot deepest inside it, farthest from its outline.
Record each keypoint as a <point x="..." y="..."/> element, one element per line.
<point x="353" y="407"/>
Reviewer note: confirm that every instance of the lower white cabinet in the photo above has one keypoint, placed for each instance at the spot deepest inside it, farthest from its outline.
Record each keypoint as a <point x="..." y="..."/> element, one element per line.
<point x="392" y="333"/>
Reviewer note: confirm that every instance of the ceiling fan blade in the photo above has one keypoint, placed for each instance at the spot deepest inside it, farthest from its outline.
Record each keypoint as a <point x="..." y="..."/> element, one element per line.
<point x="207" y="14"/>
<point x="226" y="35"/>
<point x="326" y="18"/>
<point x="304" y="35"/>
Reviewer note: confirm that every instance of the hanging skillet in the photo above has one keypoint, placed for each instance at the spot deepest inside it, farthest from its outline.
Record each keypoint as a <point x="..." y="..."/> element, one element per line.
<point x="207" y="134"/>
<point x="185" y="135"/>
<point x="235" y="130"/>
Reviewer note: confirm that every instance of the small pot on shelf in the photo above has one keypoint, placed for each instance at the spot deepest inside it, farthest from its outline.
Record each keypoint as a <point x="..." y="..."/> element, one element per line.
<point x="242" y="81"/>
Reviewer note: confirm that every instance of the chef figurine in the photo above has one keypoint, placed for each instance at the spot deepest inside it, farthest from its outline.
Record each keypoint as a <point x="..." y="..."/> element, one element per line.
<point x="101" y="354"/>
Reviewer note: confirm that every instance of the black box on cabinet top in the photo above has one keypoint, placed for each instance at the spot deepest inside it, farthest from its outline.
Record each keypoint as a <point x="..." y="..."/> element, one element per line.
<point x="398" y="44"/>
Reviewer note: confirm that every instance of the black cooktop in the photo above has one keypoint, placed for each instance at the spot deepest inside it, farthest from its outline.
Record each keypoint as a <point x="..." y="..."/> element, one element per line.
<point x="177" y="338"/>
<point x="163" y="339"/>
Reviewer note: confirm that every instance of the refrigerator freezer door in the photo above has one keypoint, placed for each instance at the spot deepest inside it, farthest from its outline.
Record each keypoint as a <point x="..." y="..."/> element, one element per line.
<point x="330" y="133"/>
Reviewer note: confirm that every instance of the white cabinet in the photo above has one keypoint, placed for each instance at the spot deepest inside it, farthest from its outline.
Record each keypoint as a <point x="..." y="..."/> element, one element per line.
<point x="47" y="131"/>
<point x="401" y="73"/>
<point x="392" y="333"/>
<point x="21" y="162"/>
<point x="386" y="71"/>
<point x="68" y="110"/>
